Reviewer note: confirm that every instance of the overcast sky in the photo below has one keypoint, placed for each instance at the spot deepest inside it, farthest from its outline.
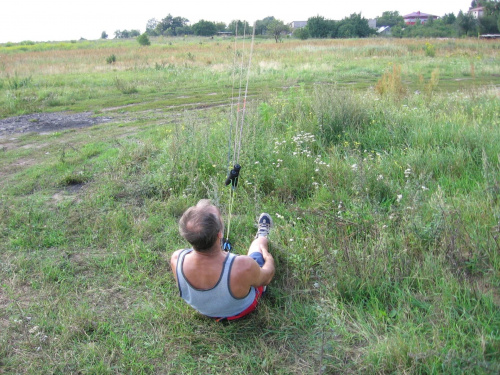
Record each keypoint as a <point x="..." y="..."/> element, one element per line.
<point x="44" y="20"/>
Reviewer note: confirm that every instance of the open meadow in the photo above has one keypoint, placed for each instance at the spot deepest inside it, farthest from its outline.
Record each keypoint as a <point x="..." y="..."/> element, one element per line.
<point x="379" y="160"/>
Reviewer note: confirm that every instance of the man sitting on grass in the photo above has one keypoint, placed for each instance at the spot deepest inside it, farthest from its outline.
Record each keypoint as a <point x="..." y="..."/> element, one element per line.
<point x="216" y="283"/>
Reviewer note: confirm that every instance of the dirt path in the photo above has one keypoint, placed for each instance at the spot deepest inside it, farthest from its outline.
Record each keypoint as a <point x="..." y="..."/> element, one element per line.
<point x="48" y="122"/>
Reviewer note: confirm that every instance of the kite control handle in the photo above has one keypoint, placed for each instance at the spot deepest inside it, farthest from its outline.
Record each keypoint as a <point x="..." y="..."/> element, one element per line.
<point x="232" y="177"/>
<point x="226" y="245"/>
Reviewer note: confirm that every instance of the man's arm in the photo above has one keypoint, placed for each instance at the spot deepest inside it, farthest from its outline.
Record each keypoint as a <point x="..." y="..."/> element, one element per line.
<point x="267" y="270"/>
<point x="246" y="273"/>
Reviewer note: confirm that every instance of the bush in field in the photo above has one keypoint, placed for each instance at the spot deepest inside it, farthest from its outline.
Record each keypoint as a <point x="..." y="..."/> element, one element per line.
<point x="430" y="50"/>
<point x="301" y="33"/>
<point x="111" y="59"/>
<point x="143" y="40"/>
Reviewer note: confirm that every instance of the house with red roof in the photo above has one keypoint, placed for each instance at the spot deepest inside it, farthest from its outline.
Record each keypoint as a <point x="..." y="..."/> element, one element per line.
<point x="418" y="17"/>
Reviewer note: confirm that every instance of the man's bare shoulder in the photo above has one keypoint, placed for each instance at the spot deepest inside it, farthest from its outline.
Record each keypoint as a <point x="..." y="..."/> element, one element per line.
<point x="174" y="257"/>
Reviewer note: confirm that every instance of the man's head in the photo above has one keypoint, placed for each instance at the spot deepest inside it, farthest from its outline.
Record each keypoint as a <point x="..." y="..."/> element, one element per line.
<point x="201" y="225"/>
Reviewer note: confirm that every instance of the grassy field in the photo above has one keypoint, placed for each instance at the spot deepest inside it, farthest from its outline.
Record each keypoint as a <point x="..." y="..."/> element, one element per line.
<point x="378" y="159"/>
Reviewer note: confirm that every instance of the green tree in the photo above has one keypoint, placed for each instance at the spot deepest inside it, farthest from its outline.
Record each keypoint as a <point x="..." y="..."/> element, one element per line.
<point x="104" y="35"/>
<point x="122" y="34"/>
<point x="221" y="26"/>
<point x="346" y="30"/>
<point x="390" y="18"/>
<point x="143" y="40"/>
<point x="170" y="24"/>
<point x="164" y="24"/>
<point x="239" y="27"/>
<point x="466" y="22"/>
<point x="318" y="27"/>
<point x="261" y="25"/>
<point x="397" y="31"/>
<point x="277" y="28"/>
<point x="488" y="23"/>
<point x="449" y="18"/>
<point x="184" y="30"/>
<point x="151" y="26"/>
<point x="354" y="26"/>
<point x="204" y="28"/>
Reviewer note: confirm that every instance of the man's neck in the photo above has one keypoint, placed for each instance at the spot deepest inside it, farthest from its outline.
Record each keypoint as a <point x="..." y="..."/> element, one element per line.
<point x="212" y="252"/>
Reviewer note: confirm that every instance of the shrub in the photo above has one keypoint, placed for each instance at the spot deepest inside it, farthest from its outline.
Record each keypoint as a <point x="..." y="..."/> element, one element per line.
<point x="301" y="33"/>
<point x="430" y="50"/>
<point x="111" y="59"/>
<point x="143" y="40"/>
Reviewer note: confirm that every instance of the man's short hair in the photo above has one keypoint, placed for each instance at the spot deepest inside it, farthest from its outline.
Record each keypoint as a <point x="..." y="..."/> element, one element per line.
<point x="200" y="226"/>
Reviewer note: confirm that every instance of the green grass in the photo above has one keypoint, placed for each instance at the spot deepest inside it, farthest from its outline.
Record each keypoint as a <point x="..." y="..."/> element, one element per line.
<point x="386" y="205"/>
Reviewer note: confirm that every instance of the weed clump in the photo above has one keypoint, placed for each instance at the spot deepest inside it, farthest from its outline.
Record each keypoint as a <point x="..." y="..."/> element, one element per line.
<point x="339" y="112"/>
<point x="125" y="87"/>
<point x="111" y="59"/>
<point x="430" y="50"/>
<point x="16" y="82"/>
<point x="391" y="84"/>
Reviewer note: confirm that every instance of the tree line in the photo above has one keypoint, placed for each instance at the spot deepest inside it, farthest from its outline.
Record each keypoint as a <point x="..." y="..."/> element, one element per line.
<point x="354" y="26"/>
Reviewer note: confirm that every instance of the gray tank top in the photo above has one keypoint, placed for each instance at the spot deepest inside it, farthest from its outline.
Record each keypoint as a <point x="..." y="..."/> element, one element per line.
<point x="217" y="302"/>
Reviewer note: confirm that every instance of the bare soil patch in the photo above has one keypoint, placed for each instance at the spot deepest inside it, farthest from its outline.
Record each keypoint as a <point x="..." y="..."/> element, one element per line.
<point x="48" y="122"/>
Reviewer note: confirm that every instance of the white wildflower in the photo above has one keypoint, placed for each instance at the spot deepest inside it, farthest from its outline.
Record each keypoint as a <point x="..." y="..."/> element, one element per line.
<point x="400" y="196"/>
<point x="380" y="177"/>
<point x="354" y="167"/>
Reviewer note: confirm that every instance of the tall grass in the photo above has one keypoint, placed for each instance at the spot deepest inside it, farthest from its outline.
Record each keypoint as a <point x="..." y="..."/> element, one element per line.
<point x="386" y="210"/>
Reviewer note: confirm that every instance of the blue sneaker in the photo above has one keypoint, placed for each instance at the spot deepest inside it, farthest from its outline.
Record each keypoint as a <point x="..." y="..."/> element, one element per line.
<point x="264" y="225"/>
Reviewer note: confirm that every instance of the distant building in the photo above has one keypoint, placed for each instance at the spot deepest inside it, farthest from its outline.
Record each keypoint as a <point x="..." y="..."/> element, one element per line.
<point x="477" y="12"/>
<point x="415" y="17"/>
<point x="297" y="24"/>
<point x="372" y="23"/>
